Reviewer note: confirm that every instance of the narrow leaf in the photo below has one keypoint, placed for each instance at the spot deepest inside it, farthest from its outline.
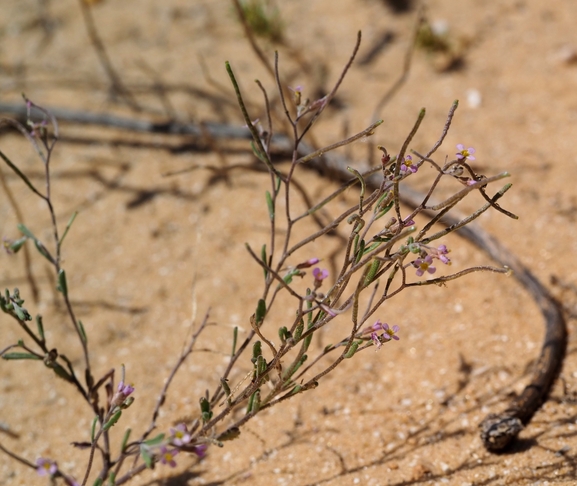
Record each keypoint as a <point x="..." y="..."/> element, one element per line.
<point x="260" y="312"/>
<point x="20" y="356"/>
<point x="15" y="246"/>
<point x="70" y="221"/>
<point x="234" y="339"/>
<point x="353" y="349"/>
<point x="61" y="372"/>
<point x="112" y="420"/>
<point x="125" y="440"/>
<point x="270" y="206"/>
<point x="155" y="440"/>
<point x="112" y="478"/>
<point x="146" y="456"/>
<point x="40" y="327"/>
<point x="93" y="429"/>
<point x="82" y="332"/>
<point x="39" y="246"/>
<point x="62" y="285"/>
<point x="264" y="260"/>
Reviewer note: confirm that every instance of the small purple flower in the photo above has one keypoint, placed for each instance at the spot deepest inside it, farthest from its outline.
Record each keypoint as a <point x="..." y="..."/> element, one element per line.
<point x="179" y="435"/>
<point x="390" y="333"/>
<point x="465" y="153"/>
<point x="319" y="276"/>
<point x="424" y="265"/>
<point x="387" y="335"/>
<point x="167" y="456"/>
<point x="46" y="467"/>
<point x="408" y="165"/>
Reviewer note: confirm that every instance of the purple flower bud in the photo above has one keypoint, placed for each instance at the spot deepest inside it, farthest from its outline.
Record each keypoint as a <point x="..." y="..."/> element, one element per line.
<point x="122" y="393"/>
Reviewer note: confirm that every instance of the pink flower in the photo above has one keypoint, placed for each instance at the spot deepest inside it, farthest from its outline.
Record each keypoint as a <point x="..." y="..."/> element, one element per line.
<point x="408" y="165"/>
<point x="390" y="333"/>
<point x="465" y="153"/>
<point x="424" y="265"/>
<point x="319" y="276"/>
<point x="179" y="435"/>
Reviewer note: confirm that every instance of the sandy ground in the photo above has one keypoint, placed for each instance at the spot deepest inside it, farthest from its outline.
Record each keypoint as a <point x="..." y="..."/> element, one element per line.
<point x="149" y="254"/>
